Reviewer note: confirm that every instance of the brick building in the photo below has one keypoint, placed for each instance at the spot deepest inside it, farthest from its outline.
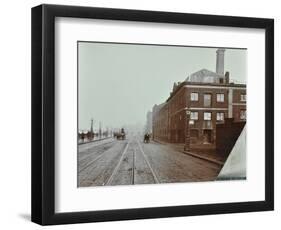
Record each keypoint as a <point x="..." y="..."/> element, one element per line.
<point x="209" y="97"/>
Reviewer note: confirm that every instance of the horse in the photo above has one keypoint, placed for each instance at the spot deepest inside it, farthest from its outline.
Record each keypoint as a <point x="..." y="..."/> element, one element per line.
<point x="146" y="138"/>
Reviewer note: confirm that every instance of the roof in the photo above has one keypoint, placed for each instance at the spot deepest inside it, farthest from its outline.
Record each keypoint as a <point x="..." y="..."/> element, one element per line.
<point x="230" y="85"/>
<point x="204" y="76"/>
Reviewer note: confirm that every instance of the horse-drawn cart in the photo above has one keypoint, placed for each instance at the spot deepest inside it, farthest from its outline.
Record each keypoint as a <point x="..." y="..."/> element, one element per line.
<point x="120" y="135"/>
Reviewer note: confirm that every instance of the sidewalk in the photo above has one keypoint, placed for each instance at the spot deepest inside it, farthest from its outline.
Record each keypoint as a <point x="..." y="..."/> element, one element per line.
<point x="95" y="140"/>
<point x="204" y="154"/>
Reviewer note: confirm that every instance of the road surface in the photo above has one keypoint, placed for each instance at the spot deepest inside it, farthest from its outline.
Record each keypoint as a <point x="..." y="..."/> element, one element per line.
<point x="130" y="161"/>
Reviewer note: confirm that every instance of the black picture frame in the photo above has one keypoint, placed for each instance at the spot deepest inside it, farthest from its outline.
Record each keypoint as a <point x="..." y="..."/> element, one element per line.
<point x="43" y="113"/>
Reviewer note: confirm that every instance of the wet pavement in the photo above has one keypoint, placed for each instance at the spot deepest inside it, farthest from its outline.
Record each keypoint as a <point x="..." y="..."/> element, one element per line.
<point x="130" y="161"/>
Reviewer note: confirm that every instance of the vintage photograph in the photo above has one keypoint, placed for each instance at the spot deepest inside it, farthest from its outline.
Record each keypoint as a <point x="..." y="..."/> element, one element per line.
<point x="150" y="114"/>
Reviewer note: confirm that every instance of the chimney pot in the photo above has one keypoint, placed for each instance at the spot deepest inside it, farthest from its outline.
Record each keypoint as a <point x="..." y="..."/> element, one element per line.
<point x="227" y="77"/>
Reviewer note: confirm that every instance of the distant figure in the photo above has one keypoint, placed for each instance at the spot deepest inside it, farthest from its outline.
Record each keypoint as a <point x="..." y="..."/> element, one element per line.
<point x="146" y="138"/>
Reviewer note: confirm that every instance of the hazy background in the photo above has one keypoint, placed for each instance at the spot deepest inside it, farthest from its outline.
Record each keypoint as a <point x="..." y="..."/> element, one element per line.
<point x="120" y="83"/>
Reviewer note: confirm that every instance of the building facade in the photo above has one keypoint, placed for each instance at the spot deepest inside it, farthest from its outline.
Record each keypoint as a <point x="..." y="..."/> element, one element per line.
<point x="209" y="97"/>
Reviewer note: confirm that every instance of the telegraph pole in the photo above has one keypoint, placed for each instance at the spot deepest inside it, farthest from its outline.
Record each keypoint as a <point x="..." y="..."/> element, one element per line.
<point x="100" y="130"/>
<point x="187" y="132"/>
<point x="92" y="132"/>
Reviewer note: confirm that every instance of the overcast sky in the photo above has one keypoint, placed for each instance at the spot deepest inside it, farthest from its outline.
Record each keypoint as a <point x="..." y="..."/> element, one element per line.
<point x="119" y="83"/>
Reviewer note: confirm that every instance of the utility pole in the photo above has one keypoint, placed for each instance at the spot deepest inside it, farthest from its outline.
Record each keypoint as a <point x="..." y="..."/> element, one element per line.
<point x="187" y="132"/>
<point x="92" y="132"/>
<point x="100" y="130"/>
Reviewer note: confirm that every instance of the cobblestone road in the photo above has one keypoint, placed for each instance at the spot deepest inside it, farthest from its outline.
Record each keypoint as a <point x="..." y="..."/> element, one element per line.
<point x="130" y="161"/>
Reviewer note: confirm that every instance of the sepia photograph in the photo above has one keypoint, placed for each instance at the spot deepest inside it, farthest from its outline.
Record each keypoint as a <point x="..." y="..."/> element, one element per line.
<point x="141" y="114"/>
<point x="152" y="114"/>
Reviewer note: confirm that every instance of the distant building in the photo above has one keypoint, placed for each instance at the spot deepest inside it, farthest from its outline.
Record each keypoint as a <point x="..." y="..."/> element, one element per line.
<point x="209" y="96"/>
<point x="148" y="125"/>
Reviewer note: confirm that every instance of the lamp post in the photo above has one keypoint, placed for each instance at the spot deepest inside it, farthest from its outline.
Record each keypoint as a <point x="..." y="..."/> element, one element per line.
<point x="187" y="132"/>
<point x="91" y="130"/>
<point x="100" y="130"/>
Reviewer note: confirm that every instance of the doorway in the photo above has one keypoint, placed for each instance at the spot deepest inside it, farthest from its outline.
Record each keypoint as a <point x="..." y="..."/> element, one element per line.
<point x="207" y="136"/>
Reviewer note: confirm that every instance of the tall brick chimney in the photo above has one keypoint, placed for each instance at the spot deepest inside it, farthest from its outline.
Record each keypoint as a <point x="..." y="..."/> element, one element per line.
<point x="220" y="61"/>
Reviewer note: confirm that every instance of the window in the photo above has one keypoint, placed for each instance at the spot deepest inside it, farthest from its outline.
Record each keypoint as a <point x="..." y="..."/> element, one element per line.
<point x="194" y="116"/>
<point x="243" y="114"/>
<point x="220" y="116"/>
<point x="243" y="97"/>
<point x="207" y="116"/>
<point x="207" y="100"/>
<point x="194" y="96"/>
<point x="220" y="97"/>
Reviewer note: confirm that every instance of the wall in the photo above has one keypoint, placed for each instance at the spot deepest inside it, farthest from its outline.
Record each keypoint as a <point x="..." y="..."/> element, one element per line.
<point x="227" y="135"/>
<point x="15" y="114"/>
<point x="238" y="105"/>
<point x="177" y="115"/>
